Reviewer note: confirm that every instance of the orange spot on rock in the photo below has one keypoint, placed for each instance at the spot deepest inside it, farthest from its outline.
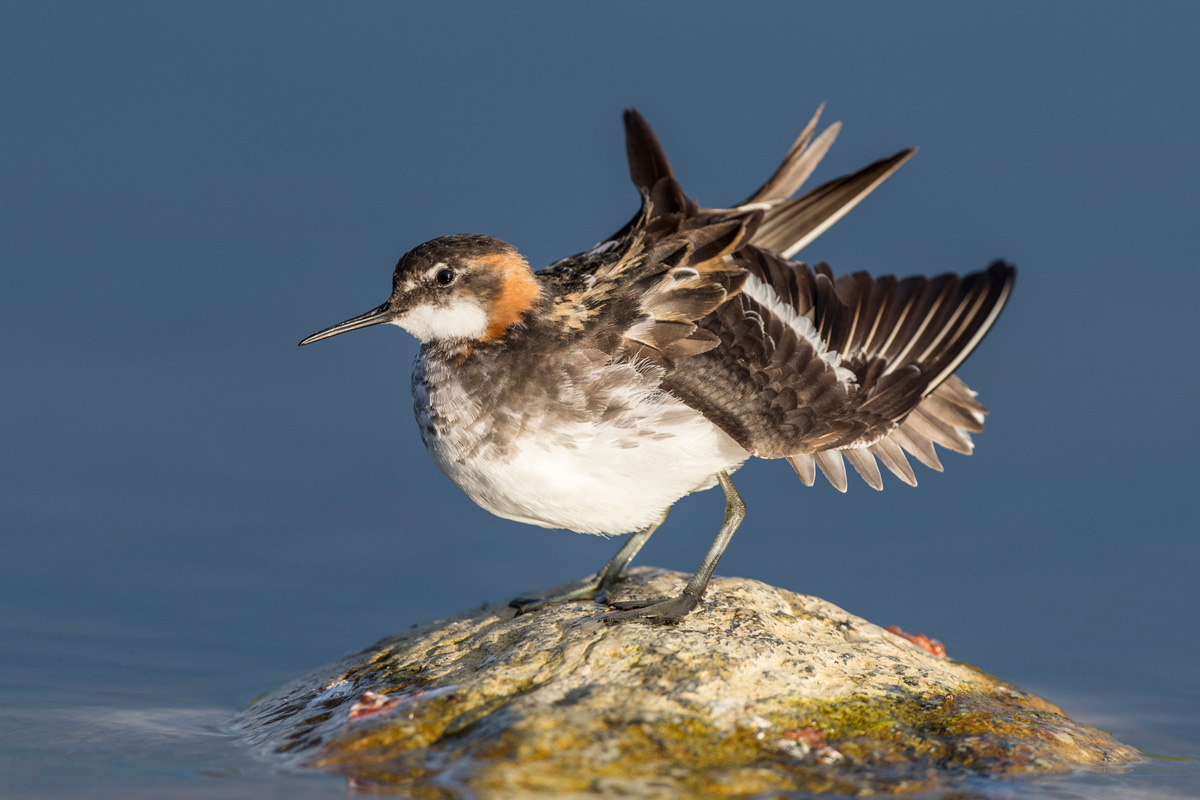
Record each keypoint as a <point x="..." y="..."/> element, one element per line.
<point x="372" y="703"/>
<point x="920" y="640"/>
<point x="806" y="736"/>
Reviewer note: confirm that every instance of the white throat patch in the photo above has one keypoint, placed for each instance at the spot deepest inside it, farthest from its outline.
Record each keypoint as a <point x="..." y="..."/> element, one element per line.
<point x="460" y="319"/>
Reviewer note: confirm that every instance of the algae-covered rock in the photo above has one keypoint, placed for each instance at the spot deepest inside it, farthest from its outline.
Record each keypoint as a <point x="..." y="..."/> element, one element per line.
<point x="759" y="689"/>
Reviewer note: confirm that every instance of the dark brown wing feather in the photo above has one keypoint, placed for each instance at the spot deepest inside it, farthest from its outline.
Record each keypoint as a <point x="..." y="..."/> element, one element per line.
<point x="763" y="385"/>
<point x="647" y="162"/>
<point x="792" y="224"/>
<point x="798" y="363"/>
<point x="787" y="225"/>
<point x="801" y="159"/>
<point x="770" y="389"/>
<point x="641" y="293"/>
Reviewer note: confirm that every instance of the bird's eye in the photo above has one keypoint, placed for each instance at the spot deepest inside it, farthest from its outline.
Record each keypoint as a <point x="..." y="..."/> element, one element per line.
<point x="445" y="277"/>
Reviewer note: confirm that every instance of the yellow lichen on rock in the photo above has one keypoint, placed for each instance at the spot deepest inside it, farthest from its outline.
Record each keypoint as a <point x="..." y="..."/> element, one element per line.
<point x="760" y="689"/>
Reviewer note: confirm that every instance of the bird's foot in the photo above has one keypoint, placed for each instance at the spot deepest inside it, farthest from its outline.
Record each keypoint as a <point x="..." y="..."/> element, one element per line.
<point x="589" y="590"/>
<point x="656" y="610"/>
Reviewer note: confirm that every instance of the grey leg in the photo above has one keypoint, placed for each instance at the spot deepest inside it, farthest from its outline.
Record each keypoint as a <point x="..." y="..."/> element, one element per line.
<point x="602" y="582"/>
<point x="675" y="607"/>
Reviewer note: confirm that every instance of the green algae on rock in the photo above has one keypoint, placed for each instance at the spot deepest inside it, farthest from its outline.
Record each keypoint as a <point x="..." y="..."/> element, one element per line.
<point x="759" y="690"/>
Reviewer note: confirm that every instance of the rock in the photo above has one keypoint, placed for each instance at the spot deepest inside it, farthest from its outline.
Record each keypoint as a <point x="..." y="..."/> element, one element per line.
<point x="759" y="689"/>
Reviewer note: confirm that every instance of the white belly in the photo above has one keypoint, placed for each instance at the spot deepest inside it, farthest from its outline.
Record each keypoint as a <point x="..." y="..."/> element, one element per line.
<point x="588" y="475"/>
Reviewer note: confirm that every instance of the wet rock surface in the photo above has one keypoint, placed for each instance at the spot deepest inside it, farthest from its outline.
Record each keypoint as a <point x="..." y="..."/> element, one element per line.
<point x="760" y="689"/>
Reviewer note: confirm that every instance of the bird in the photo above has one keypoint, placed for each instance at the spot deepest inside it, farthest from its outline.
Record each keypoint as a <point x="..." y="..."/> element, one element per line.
<point x="593" y="394"/>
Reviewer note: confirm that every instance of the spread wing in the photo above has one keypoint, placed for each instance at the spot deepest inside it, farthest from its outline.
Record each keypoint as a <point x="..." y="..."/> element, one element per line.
<point x="789" y="360"/>
<point x="646" y="287"/>
<point x="813" y="368"/>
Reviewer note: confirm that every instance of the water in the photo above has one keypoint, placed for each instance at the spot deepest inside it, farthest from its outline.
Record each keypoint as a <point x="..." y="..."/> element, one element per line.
<point x="194" y="511"/>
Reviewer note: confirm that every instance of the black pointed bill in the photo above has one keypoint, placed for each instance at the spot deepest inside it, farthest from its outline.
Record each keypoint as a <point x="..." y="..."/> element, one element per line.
<point x="375" y="316"/>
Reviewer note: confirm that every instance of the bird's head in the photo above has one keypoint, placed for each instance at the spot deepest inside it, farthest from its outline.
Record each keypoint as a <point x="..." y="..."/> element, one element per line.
<point x="461" y="288"/>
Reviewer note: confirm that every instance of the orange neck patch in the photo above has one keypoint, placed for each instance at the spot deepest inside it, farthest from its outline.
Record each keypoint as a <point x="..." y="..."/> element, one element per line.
<point x="518" y="292"/>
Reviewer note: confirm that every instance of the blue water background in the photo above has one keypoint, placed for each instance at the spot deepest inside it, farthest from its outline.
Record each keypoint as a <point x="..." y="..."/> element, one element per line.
<point x="193" y="510"/>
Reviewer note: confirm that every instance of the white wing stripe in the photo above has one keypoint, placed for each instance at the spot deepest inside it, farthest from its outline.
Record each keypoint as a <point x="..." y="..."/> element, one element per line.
<point x="769" y="299"/>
